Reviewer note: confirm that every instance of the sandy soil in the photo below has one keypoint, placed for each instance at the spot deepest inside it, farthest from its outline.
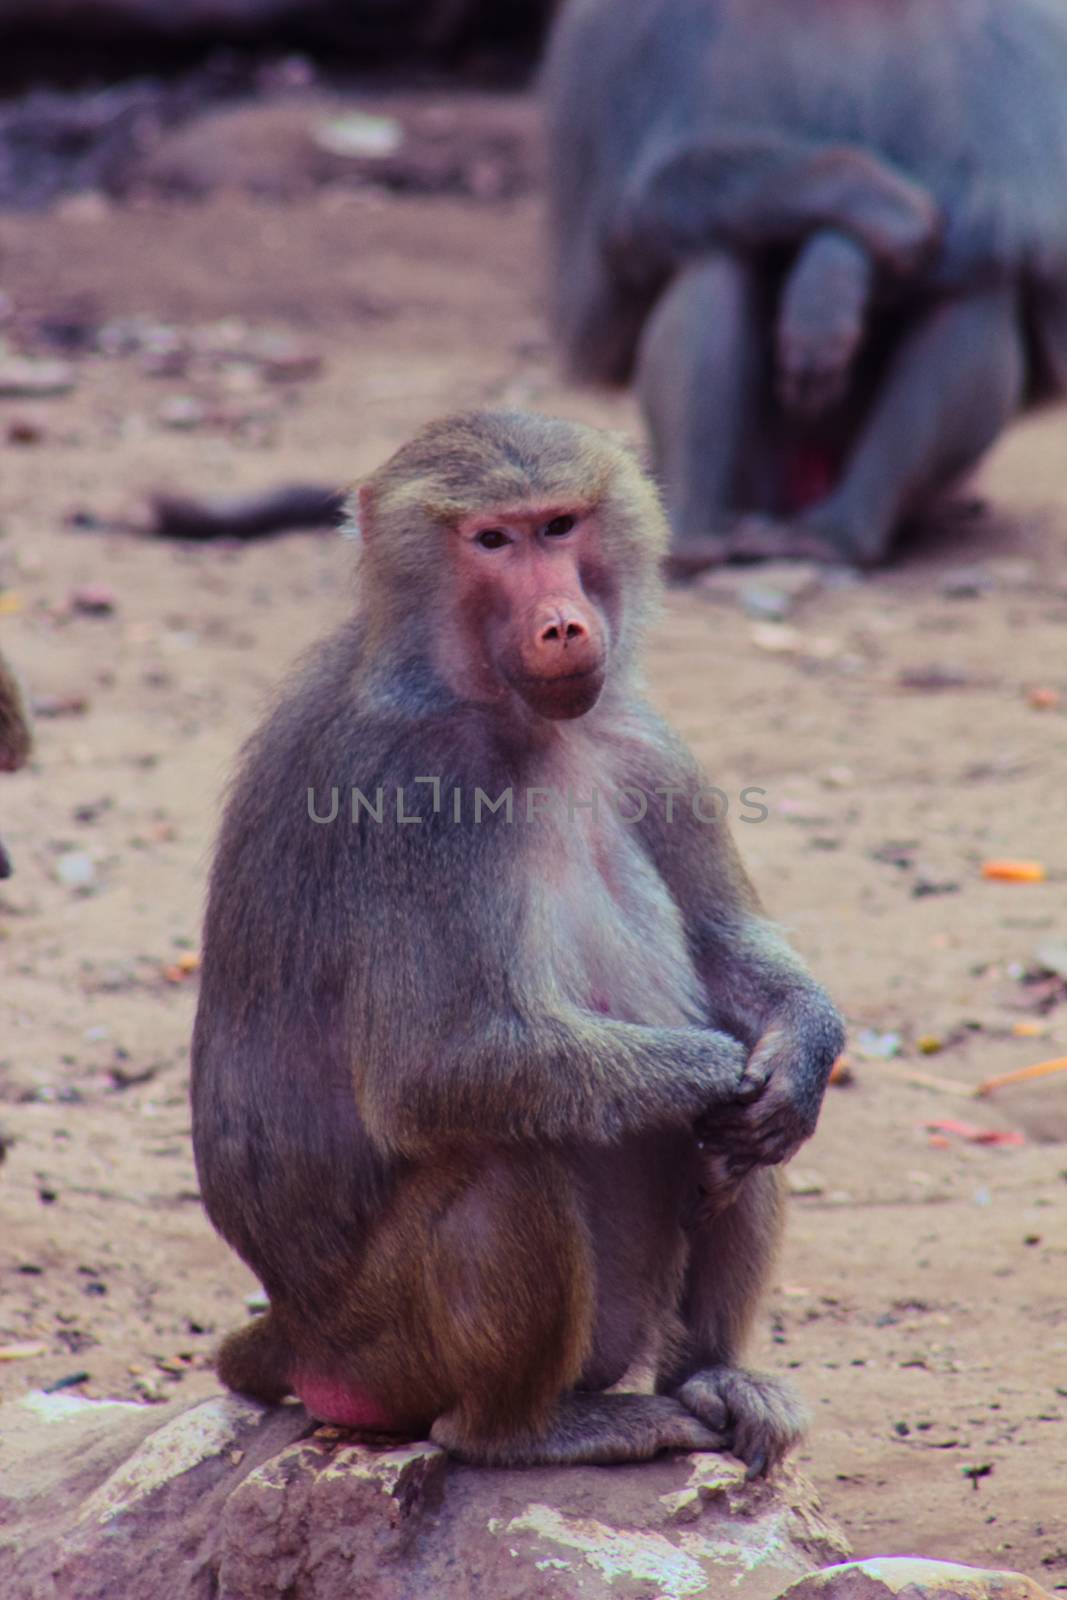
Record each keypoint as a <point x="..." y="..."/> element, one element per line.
<point x="921" y="1303"/>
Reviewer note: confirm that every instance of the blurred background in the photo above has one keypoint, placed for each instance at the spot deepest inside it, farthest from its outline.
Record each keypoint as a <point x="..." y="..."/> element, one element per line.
<point x="248" y="242"/>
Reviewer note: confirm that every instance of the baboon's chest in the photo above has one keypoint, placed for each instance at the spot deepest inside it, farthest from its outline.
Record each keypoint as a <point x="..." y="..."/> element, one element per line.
<point x="609" y="934"/>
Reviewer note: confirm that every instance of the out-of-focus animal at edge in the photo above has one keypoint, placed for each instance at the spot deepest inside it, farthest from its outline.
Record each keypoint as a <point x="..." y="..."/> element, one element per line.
<point x="15" y="738"/>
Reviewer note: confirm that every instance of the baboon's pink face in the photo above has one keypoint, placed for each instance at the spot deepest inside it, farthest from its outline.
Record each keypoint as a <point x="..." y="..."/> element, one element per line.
<point x="532" y="592"/>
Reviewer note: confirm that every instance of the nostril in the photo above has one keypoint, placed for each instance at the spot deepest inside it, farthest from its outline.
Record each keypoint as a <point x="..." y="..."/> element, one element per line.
<point x="562" y="631"/>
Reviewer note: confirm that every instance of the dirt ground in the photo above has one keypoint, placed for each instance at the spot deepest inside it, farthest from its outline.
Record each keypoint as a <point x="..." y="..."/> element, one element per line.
<point x="921" y="1302"/>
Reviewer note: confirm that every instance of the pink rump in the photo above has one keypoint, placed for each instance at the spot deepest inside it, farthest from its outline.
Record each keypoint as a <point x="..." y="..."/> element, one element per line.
<point x="344" y="1404"/>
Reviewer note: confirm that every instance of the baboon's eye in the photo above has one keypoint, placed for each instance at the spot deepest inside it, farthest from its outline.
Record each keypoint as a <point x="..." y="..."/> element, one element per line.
<point x="559" y="526"/>
<point x="492" y="538"/>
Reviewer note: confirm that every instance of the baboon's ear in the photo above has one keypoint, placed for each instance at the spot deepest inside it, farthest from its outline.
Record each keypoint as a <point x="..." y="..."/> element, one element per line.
<point x="360" y="514"/>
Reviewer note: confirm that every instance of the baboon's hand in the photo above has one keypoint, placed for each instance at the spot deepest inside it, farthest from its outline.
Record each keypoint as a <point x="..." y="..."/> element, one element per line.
<point x="778" y="1099"/>
<point x="708" y="1069"/>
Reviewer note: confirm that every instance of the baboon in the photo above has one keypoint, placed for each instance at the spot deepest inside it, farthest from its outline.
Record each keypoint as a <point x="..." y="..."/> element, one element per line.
<point x="493" y="1067"/>
<point x="15" y="741"/>
<point x="828" y="241"/>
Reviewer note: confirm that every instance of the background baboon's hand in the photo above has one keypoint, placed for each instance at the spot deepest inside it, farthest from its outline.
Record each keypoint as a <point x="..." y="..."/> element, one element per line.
<point x="896" y="219"/>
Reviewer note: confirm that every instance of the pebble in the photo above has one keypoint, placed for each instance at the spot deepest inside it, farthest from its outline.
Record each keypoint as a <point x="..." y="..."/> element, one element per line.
<point x="775" y="637"/>
<point x="1011" y="572"/>
<point x="22" y="378"/>
<point x="802" y="1182"/>
<point x="24" y="430"/>
<point x="876" y="1046"/>
<point x="766" y="604"/>
<point x="966" y="583"/>
<point x="93" y="600"/>
<point x="60" y="705"/>
<point x="770" y="593"/>
<point x="357" y="134"/>
<point x="75" y="870"/>
<point x="182" y="411"/>
<point x="1052" y="958"/>
<point x="282" y="358"/>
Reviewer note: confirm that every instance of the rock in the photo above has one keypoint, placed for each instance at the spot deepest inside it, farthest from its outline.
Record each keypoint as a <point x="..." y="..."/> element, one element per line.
<point x="358" y="133"/>
<point x="779" y="589"/>
<point x="800" y="1182"/>
<point x="965" y="583"/>
<point x="874" y="1046"/>
<point x="770" y="593"/>
<point x="776" y="638"/>
<point x="182" y="411"/>
<point x="92" y="600"/>
<point x="25" y="429"/>
<point x="24" y="378"/>
<point x="283" y="359"/>
<point x="75" y="870"/>
<point x="759" y="600"/>
<point x="243" y="1502"/>
<point x="99" y="1498"/>
<point x="60" y="705"/>
<point x="881" y="1578"/>
<point x="1052" y="958"/>
<point x="1012" y="572"/>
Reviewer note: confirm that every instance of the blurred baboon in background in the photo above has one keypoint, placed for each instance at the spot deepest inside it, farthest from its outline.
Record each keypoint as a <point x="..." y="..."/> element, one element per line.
<point x="829" y="242"/>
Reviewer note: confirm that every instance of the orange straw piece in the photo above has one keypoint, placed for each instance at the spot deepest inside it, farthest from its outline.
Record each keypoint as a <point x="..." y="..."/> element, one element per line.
<point x="1041" y="1069"/>
<point x="1013" y="871"/>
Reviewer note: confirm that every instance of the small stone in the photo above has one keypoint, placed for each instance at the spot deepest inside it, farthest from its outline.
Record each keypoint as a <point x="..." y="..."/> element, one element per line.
<point x="775" y="637"/>
<point x="966" y="583"/>
<point x="1011" y="572"/>
<point x="93" y="600"/>
<point x="75" y="870"/>
<point x="182" y="411"/>
<point x="59" y="705"/>
<point x="779" y="588"/>
<point x="765" y="603"/>
<point x="936" y="678"/>
<point x="24" y="430"/>
<point x="22" y="378"/>
<point x="283" y="359"/>
<point x="923" y="887"/>
<point x="1052" y="958"/>
<point x="151" y="1390"/>
<point x="357" y="134"/>
<point x="801" y="1182"/>
<point x="875" y="1046"/>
